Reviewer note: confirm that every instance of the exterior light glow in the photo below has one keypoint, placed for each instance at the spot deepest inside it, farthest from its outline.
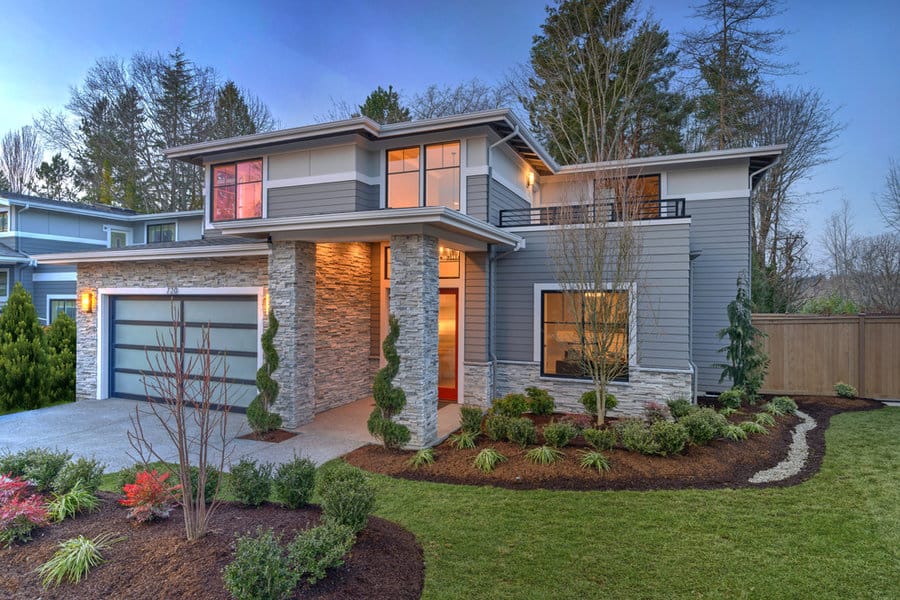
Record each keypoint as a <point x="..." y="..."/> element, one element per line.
<point x="530" y="179"/>
<point x="88" y="301"/>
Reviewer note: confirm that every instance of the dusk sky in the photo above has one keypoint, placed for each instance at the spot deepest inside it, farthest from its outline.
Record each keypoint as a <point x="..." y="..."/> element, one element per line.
<point x="298" y="56"/>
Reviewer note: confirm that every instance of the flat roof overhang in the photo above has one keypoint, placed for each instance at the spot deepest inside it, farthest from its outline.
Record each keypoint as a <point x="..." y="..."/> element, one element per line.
<point x="452" y="227"/>
<point x="149" y="253"/>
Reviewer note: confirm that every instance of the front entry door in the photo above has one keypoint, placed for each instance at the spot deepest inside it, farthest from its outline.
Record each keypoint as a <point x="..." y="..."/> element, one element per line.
<point x="448" y="338"/>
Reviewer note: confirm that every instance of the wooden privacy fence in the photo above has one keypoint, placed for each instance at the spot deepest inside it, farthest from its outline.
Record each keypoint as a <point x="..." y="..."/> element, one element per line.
<point x="810" y="353"/>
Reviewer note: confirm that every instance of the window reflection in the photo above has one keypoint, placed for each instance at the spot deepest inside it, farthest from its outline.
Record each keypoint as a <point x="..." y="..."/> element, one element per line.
<point x="237" y="191"/>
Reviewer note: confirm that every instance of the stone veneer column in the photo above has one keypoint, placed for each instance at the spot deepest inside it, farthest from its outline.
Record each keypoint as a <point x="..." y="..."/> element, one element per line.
<point x="414" y="301"/>
<point x="292" y="295"/>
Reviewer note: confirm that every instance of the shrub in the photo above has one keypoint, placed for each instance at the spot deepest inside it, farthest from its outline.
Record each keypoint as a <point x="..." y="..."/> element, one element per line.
<point x="41" y="466"/>
<point x="60" y="337"/>
<point x="559" y="435"/>
<point x="593" y="459"/>
<point x="704" y="425"/>
<point x="488" y="459"/>
<point x="521" y="431"/>
<point x="727" y="412"/>
<point x="731" y="398"/>
<point x="251" y="482"/>
<point x="589" y="401"/>
<point x="423" y="457"/>
<point x="654" y="411"/>
<point x="765" y="419"/>
<point x="637" y="437"/>
<point x="496" y="426"/>
<point x="680" y="408"/>
<point x="260" y="419"/>
<point x="260" y="569"/>
<point x="70" y="503"/>
<point x="753" y="427"/>
<point x="389" y="400"/>
<point x="600" y="439"/>
<point x="470" y="419"/>
<point x="540" y="402"/>
<point x="316" y="550"/>
<point x="833" y="304"/>
<point x="347" y="499"/>
<point x="544" y="455"/>
<point x="294" y="482"/>
<point x="844" y="390"/>
<point x="734" y="433"/>
<point x="209" y="488"/>
<point x="510" y="405"/>
<point x="464" y="440"/>
<point x="84" y="471"/>
<point x="24" y="372"/>
<point x="149" y="497"/>
<point x="20" y="511"/>
<point x="669" y="438"/>
<point x="128" y="475"/>
<point x="75" y="557"/>
<point x="785" y="403"/>
<point x="774" y="409"/>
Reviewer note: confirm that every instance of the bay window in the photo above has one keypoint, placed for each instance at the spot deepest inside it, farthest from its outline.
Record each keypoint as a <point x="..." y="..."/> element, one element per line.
<point x="237" y="190"/>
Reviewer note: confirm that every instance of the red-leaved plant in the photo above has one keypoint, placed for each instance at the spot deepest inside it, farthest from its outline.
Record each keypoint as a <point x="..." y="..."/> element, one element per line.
<point x="149" y="497"/>
<point x="20" y="510"/>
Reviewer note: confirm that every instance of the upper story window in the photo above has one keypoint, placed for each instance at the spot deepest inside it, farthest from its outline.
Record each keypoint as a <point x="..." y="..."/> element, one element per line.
<point x="160" y="232"/>
<point x="641" y="192"/>
<point x="4" y="221"/>
<point x="439" y="179"/>
<point x="118" y="238"/>
<point x="4" y="284"/>
<point x="237" y="190"/>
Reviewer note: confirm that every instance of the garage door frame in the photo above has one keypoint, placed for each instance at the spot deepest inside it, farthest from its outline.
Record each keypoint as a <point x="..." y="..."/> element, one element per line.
<point x="104" y="338"/>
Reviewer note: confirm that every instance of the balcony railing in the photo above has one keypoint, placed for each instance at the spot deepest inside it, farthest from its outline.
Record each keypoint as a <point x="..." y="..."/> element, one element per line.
<point x="637" y="210"/>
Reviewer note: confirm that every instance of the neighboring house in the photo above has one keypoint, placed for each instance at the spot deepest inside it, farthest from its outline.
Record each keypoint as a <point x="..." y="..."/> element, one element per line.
<point x="31" y="225"/>
<point x="444" y="223"/>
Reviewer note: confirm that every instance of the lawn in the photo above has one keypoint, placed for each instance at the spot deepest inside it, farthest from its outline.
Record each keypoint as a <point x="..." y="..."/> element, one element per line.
<point x="835" y="536"/>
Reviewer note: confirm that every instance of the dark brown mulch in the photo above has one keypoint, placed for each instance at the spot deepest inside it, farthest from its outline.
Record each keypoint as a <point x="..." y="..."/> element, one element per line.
<point x="274" y="436"/>
<point x="721" y="464"/>
<point x="156" y="562"/>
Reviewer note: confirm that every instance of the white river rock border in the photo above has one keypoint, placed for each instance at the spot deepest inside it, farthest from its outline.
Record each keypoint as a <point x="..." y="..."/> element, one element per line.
<point x="797" y="455"/>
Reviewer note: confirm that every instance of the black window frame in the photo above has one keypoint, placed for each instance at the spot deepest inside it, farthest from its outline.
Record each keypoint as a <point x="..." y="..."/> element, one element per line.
<point x="174" y="226"/>
<point x="212" y="189"/>
<point x="622" y="378"/>
<point x="387" y="177"/>
<point x="422" y="173"/>
<point x="425" y="168"/>
<point x="4" y="221"/>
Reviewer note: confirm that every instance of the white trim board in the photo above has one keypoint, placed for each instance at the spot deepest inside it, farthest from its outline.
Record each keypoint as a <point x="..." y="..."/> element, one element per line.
<point x="55" y="276"/>
<point x="58" y="297"/>
<point x="53" y="237"/>
<point x="326" y="178"/>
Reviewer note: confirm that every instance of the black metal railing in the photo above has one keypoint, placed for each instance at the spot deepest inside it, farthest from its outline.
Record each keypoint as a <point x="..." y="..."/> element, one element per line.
<point x="635" y="210"/>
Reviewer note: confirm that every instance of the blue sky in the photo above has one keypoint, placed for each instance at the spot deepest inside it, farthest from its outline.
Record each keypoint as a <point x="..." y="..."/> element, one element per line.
<point x="298" y="56"/>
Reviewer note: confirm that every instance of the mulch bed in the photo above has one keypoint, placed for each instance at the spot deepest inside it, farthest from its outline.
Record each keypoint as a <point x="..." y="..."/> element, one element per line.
<point x="157" y="562"/>
<point x="721" y="464"/>
<point x="275" y="436"/>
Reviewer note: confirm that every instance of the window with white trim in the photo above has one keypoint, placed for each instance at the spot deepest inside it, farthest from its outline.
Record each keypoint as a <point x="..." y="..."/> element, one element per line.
<point x="4" y="221"/>
<point x="4" y="284"/>
<point x="577" y="328"/>
<point x="118" y="238"/>
<point x="60" y="305"/>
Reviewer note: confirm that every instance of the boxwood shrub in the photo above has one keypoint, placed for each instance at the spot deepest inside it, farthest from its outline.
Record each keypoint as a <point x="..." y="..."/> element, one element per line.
<point x="704" y="425"/>
<point x="521" y="431"/>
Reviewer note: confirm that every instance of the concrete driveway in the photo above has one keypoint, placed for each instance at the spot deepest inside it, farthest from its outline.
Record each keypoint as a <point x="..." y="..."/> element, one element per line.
<point x="99" y="429"/>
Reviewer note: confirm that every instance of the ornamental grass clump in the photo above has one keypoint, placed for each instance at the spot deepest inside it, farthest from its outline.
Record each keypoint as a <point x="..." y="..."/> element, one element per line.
<point x="544" y="455"/>
<point x="559" y="435"/>
<point x="600" y="439"/>
<point x="593" y="459"/>
<point x="75" y="558"/>
<point x="734" y="433"/>
<point x="422" y="458"/>
<point x="464" y="440"/>
<point x="751" y="427"/>
<point x="294" y="482"/>
<point x="389" y="400"/>
<point x="764" y="419"/>
<point x="488" y="459"/>
<point x="540" y="402"/>
<point x="69" y="504"/>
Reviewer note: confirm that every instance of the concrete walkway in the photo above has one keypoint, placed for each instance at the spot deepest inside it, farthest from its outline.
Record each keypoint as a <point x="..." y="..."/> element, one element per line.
<point x="98" y="428"/>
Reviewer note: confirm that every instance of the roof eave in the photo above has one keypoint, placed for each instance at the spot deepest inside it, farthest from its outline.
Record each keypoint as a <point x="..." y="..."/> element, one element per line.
<point x="140" y="254"/>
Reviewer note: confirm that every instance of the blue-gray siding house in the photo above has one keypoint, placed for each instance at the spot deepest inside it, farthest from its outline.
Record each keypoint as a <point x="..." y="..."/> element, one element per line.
<point x="450" y="225"/>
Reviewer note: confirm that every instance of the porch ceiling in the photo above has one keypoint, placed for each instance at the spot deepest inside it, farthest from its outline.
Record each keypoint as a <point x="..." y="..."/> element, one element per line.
<point x="454" y="228"/>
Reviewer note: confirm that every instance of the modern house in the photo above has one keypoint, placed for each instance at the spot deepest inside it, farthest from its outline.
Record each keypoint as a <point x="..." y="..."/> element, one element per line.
<point x="31" y="225"/>
<point x="446" y="223"/>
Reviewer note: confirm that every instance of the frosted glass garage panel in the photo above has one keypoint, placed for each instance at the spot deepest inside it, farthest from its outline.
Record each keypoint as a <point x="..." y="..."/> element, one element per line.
<point x="144" y="335"/>
<point x="238" y="367"/>
<point x="131" y="384"/>
<point x="124" y="358"/>
<point x="221" y="311"/>
<point x="227" y="340"/>
<point x="147" y="310"/>
<point x="239" y="395"/>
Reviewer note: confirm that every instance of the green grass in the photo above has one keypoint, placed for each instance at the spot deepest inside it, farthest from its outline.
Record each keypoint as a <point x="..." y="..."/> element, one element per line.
<point x="835" y="536"/>
<point x="18" y="410"/>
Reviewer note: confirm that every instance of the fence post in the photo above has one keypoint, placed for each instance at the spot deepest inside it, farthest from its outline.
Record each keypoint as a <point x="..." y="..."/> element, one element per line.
<point x="861" y="355"/>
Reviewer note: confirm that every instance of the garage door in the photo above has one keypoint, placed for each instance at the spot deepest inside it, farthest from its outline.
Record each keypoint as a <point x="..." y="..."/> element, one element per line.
<point x="139" y="322"/>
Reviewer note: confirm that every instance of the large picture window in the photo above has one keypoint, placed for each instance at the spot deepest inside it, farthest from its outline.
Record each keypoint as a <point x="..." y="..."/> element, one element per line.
<point x="160" y="232"/>
<point x="403" y="178"/>
<point x="578" y="325"/>
<point x="442" y="175"/>
<point x="405" y="171"/>
<point x="237" y="190"/>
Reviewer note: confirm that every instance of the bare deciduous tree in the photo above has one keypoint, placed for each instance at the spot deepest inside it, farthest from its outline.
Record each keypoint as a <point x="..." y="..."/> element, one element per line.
<point x="889" y="204"/>
<point x="466" y="97"/>
<point x="183" y="386"/>
<point x="876" y="272"/>
<point x="838" y="241"/>
<point x="20" y="156"/>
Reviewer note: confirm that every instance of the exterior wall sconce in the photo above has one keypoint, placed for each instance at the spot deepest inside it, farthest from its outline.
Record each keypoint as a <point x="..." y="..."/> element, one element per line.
<point x="266" y="302"/>
<point x="529" y="180"/>
<point x="88" y="301"/>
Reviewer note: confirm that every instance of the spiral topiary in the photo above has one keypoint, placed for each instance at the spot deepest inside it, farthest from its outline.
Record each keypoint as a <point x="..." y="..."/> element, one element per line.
<point x="389" y="400"/>
<point x="258" y="416"/>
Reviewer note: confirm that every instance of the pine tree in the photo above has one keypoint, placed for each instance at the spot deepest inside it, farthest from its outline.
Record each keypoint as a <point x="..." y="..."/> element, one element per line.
<point x="747" y="363"/>
<point x="61" y="358"/>
<point x="258" y="416"/>
<point x="4" y="182"/>
<point x="383" y="106"/>
<point x="232" y="113"/>
<point x="389" y="400"/>
<point x="55" y="179"/>
<point x="23" y="354"/>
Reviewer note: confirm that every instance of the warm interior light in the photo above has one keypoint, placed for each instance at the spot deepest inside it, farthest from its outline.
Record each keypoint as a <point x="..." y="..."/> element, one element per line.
<point x="87" y="301"/>
<point x="530" y="178"/>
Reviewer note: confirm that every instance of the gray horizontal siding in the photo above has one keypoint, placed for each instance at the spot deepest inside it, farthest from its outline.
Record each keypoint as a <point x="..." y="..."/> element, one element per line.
<point x="39" y="246"/>
<point x="322" y="198"/>
<point x="663" y="296"/>
<point x="720" y="230"/>
<point x="477" y="196"/>
<point x="503" y="198"/>
<point x="476" y="317"/>
<point x="41" y="289"/>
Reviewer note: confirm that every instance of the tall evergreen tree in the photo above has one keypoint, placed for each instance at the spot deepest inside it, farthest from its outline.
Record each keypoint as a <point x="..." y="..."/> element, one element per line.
<point x="383" y="106"/>
<point x="4" y="182"/>
<point x="232" y="115"/>
<point x="23" y="354"/>
<point x="61" y="342"/>
<point x="55" y="179"/>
